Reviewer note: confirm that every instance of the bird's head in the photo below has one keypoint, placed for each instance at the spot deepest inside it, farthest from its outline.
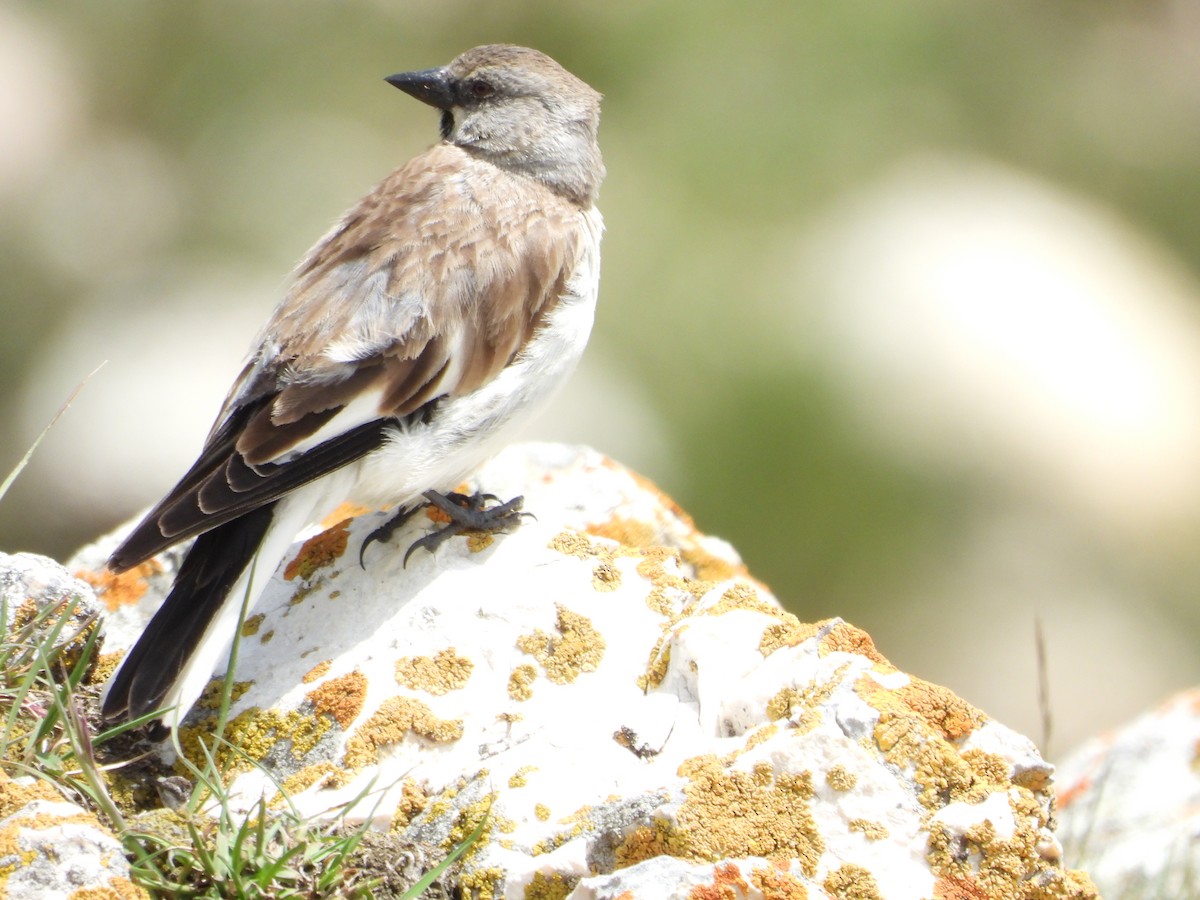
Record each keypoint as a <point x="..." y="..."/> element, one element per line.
<point x="519" y="109"/>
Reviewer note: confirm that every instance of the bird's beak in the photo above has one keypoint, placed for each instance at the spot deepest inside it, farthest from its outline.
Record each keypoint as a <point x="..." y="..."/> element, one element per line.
<point x="432" y="86"/>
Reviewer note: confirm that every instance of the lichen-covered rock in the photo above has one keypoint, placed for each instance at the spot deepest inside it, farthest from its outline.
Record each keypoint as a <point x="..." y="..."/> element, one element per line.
<point x="35" y="594"/>
<point x="626" y="710"/>
<point x="1129" y="803"/>
<point x="51" y="849"/>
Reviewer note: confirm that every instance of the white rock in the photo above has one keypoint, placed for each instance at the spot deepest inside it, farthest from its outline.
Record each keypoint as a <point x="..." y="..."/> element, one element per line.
<point x="625" y="705"/>
<point x="1129" y="803"/>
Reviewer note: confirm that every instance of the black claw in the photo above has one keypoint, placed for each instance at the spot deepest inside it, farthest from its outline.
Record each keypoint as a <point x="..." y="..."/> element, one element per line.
<point x="386" y="530"/>
<point x="468" y="514"/>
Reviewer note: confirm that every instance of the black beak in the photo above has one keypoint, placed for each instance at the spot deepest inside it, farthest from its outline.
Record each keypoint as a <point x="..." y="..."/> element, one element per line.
<point x="432" y="86"/>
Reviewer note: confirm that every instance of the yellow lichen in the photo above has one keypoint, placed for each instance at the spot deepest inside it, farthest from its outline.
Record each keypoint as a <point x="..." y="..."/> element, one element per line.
<point x="520" y="682"/>
<point x="249" y="737"/>
<point x="760" y="735"/>
<point x="105" y="666"/>
<point x="542" y="811"/>
<point x="732" y="813"/>
<point x="324" y="774"/>
<point x="578" y="648"/>
<point x="518" y="779"/>
<point x="572" y="543"/>
<point x="656" y="671"/>
<point x="439" y="674"/>
<point x="851" y="882"/>
<point x="391" y="723"/>
<point x="788" y="632"/>
<point x="840" y="778"/>
<point x="252" y="624"/>
<point x="482" y="884"/>
<point x="413" y="801"/>
<point x="873" y="831"/>
<point x="742" y="596"/>
<point x="606" y="577"/>
<point x="979" y="860"/>
<point x="803" y="707"/>
<point x="210" y="697"/>
<point x="554" y="886"/>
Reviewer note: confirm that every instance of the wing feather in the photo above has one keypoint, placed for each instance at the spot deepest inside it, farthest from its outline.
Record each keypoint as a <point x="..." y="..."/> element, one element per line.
<point x="421" y="292"/>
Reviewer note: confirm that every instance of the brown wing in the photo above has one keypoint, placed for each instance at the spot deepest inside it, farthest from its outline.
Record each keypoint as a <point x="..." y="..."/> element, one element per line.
<point x="428" y="288"/>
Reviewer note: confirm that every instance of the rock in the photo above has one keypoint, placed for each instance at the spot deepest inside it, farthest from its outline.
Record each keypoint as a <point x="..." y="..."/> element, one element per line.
<point x="1129" y="803"/>
<point x="51" y="848"/>
<point x="35" y="592"/>
<point x="624" y="708"/>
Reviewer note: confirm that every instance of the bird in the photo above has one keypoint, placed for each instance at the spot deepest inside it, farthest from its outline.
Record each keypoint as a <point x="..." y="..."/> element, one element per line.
<point x="440" y="312"/>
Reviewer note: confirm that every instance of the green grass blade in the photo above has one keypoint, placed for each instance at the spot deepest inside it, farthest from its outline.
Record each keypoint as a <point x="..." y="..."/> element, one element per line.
<point x="24" y="461"/>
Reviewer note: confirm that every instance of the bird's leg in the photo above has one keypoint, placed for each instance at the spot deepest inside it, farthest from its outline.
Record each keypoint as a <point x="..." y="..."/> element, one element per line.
<point x="468" y="514"/>
<point x="387" y="529"/>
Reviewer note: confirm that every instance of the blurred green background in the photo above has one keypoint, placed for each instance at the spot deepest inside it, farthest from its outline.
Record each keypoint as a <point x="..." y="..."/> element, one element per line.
<point x="899" y="298"/>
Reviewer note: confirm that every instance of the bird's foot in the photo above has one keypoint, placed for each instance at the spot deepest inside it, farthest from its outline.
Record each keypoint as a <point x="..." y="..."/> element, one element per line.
<point x="468" y="514"/>
<point x="387" y="529"/>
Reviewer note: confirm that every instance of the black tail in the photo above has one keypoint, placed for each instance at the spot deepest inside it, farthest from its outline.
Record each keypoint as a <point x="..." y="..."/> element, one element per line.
<point x="207" y="574"/>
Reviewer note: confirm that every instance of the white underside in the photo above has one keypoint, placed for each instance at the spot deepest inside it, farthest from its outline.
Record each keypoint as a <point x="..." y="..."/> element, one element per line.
<point x="436" y="455"/>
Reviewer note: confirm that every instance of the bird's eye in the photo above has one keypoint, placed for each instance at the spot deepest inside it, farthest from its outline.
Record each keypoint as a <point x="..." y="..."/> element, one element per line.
<point x="480" y="89"/>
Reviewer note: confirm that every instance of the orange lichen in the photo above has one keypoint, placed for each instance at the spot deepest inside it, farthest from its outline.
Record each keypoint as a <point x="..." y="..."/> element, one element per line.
<point x="629" y="533"/>
<point x="845" y="638"/>
<point x="317" y="672"/>
<point x="778" y="884"/>
<point x="710" y="567"/>
<point x="344" y="512"/>
<point x="727" y="884"/>
<point x="124" y="588"/>
<point x="117" y="888"/>
<point x="319" y="551"/>
<point x="341" y="697"/>
<point x="941" y="708"/>
<point x="956" y="887"/>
